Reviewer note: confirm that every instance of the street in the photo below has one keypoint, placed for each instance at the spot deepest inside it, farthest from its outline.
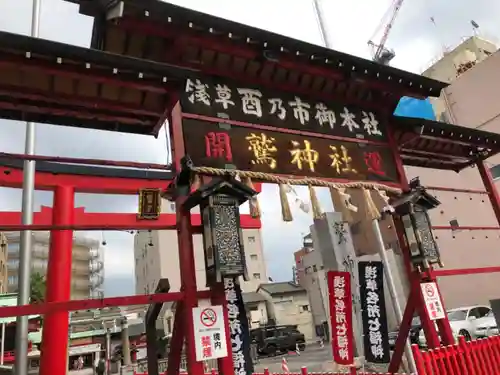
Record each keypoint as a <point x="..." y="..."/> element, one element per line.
<point x="315" y="358"/>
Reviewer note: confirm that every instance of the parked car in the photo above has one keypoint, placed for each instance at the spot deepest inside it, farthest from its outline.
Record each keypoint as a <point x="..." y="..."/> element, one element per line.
<point x="413" y="336"/>
<point x="486" y="326"/>
<point x="275" y="339"/>
<point x="464" y="321"/>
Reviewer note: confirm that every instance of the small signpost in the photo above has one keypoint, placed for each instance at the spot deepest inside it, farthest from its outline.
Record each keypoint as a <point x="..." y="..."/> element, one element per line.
<point x="209" y="333"/>
<point x="432" y="301"/>
<point x="149" y="204"/>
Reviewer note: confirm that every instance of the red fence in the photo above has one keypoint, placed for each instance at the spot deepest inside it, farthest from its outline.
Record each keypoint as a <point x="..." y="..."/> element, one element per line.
<point x="479" y="357"/>
<point x="302" y="372"/>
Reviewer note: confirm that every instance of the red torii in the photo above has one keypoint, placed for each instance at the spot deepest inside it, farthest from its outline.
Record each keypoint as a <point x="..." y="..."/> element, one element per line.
<point x="42" y="220"/>
<point x="66" y="217"/>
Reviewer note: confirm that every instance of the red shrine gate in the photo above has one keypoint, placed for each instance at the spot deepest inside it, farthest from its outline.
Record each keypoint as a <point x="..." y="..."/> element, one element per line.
<point x="152" y="62"/>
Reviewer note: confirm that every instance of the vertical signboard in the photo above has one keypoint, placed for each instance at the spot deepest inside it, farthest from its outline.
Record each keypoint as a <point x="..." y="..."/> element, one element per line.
<point x="238" y="328"/>
<point x="432" y="300"/>
<point x="339" y="289"/>
<point x="374" y="316"/>
<point x="149" y="204"/>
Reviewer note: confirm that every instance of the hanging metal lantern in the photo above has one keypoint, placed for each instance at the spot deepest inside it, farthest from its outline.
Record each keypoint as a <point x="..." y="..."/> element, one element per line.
<point x="413" y="208"/>
<point x="219" y="202"/>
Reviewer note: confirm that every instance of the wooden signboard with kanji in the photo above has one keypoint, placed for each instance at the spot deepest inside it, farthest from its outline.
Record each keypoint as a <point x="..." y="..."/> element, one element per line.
<point x="149" y="204"/>
<point x="254" y="105"/>
<point x="218" y="145"/>
<point x="230" y="126"/>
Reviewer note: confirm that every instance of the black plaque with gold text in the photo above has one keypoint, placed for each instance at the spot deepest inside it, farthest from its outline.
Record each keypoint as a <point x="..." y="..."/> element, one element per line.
<point x="149" y="204"/>
<point x="219" y="145"/>
<point x="251" y="104"/>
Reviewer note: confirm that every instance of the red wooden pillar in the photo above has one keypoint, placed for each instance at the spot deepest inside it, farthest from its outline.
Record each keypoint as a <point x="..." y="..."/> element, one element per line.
<point x="186" y="252"/>
<point x="225" y="365"/>
<point x="490" y="187"/>
<point x="55" y="326"/>
<point x="414" y="276"/>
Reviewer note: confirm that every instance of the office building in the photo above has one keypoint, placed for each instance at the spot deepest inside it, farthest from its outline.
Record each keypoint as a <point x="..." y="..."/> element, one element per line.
<point x="469" y="231"/>
<point x="87" y="268"/>
<point x="454" y="62"/>
<point x="157" y="256"/>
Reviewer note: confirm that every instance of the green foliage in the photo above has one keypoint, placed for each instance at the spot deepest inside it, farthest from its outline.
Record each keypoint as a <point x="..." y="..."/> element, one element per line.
<point x="37" y="288"/>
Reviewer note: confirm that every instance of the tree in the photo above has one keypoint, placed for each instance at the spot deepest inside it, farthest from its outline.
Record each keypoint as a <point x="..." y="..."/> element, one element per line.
<point x="37" y="288"/>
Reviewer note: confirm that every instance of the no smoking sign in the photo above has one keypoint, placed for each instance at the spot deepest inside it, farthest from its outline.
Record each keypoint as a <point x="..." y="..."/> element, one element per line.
<point x="208" y="317"/>
<point x="432" y="301"/>
<point x="429" y="290"/>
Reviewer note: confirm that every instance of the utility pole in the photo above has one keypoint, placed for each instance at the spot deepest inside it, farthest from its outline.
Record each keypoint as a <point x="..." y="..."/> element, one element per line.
<point x="392" y="291"/>
<point x="25" y="246"/>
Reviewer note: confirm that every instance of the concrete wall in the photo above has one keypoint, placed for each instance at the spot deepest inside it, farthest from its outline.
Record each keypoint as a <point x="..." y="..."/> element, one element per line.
<point x="292" y="309"/>
<point x="312" y="281"/>
<point x="162" y="258"/>
<point x="472" y="101"/>
<point x="472" y="49"/>
<point x="257" y="313"/>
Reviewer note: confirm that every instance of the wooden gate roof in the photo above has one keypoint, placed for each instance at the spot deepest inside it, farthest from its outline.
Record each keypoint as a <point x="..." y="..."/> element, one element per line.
<point x="144" y="49"/>
<point x="161" y="31"/>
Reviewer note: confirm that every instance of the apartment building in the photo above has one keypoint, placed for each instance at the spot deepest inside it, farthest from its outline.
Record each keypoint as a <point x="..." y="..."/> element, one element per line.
<point x="315" y="261"/>
<point x="471" y="100"/>
<point x="453" y="63"/>
<point x="288" y="304"/>
<point x="87" y="257"/>
<point x="157" y="256"/>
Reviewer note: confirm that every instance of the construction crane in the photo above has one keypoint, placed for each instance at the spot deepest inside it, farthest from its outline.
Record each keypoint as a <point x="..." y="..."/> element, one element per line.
<point x="381" y="54"/>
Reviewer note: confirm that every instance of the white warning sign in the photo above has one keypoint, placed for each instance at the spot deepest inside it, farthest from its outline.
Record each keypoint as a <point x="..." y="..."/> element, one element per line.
<point x="209" y="333"/>
<point x="432" y="301"/>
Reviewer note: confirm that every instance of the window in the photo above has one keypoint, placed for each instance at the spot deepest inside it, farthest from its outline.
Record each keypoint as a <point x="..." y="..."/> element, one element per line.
<point x="12" y="280"/>
<point x="454" y="224"/>
<point x="304" y="308"/>
<point x="483" y="311"/>
<point x="495" y="171"/>
<point x="270" y="333"/>
<point x="253" y="257"/>
<point x="473" y="313"/>
<point x="251" y="238"/>
<point x="13" y="248"/>
<point x="457" y="315"/>
<point x="256" y="276"/>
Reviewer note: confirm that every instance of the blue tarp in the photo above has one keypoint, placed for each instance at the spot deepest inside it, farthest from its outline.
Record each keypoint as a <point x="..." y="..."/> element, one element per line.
<point x="417" y="108"/>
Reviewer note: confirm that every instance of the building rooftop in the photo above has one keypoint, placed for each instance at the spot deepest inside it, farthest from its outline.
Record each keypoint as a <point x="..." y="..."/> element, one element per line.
<point x="253" y="297"/>
<point x="281" y="288"/>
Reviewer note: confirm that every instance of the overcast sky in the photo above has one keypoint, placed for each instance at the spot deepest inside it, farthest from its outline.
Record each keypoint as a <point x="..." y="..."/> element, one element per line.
<point x="350" y="25"/>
